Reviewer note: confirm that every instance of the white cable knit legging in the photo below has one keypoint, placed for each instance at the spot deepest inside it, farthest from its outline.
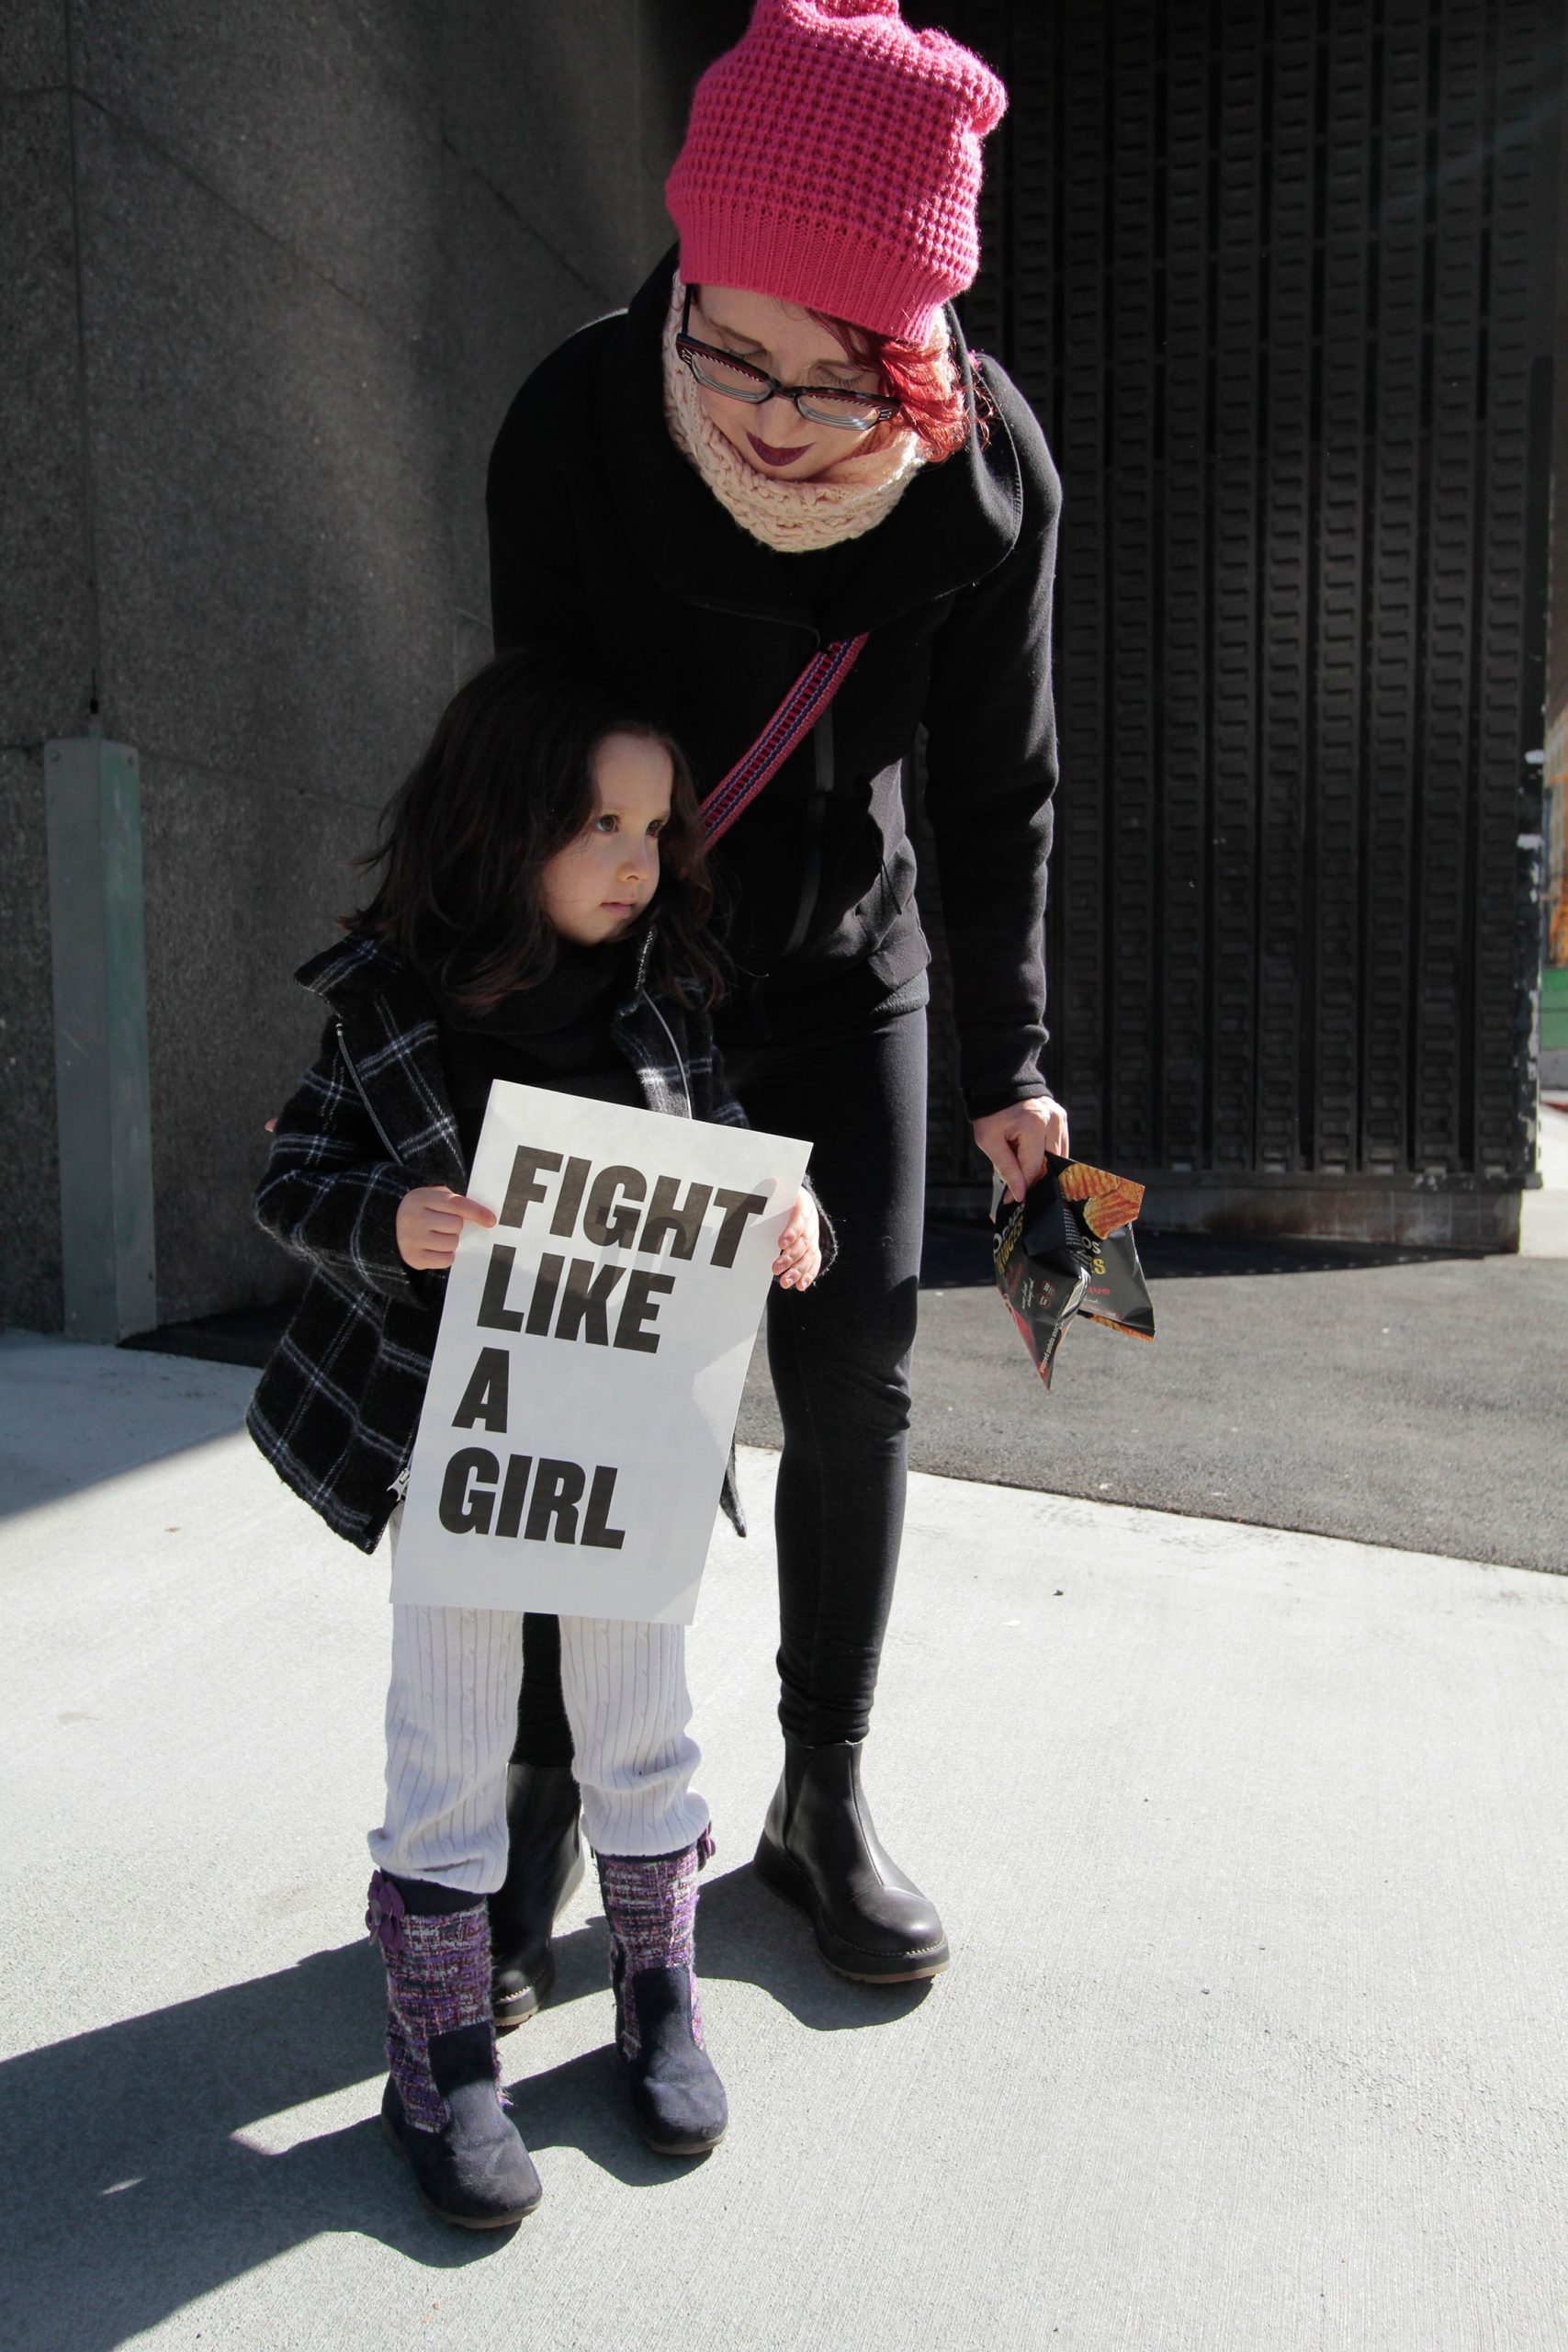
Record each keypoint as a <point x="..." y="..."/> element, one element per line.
<point x="452" y="1717"/>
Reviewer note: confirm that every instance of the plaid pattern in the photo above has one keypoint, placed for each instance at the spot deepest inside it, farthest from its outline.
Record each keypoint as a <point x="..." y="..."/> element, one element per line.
<point x="650" y="1904"/>
<point x="336" y="1410"/>
<point x="437" y="1980"/>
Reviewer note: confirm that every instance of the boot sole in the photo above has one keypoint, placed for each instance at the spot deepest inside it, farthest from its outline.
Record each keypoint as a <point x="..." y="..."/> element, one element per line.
<point x="785" y="1878"/>
<point x="683" y="2147"/>
<point x="517" y="2010"/>
<point x="457" y="2221"/>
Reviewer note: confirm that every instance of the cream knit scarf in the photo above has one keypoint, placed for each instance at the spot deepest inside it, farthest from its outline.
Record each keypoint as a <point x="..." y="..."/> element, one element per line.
<point x="788" y="516"/>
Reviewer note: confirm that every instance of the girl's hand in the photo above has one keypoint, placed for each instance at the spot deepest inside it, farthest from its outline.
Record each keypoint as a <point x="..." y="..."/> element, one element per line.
<point x="799" y="1261"/>
<point x="1015" y="1140"/>
<point x="430" y="1220"/>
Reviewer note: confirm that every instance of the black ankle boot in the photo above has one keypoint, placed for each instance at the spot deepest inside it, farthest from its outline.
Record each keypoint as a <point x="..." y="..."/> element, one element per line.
<point x="819" y="1849"/>
<point x="544" y="1868"/>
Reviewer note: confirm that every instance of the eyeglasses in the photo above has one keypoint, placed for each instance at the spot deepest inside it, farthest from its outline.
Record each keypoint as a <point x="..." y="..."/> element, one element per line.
<point x="720" y="371"/>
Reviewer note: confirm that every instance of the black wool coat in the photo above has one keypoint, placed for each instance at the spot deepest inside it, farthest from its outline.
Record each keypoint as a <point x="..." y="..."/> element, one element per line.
<point x="337" y="1410"/>
<point x="608" y="546"/>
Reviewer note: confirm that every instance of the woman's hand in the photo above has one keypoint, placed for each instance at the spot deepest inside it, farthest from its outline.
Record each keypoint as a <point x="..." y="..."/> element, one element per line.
<point x="799" y="1261"/>
<point x="430" y="1221"/>
<point x="1016" y="1140"/>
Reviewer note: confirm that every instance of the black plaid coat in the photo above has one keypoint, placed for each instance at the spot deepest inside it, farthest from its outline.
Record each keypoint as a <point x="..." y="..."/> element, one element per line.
<point x="336" y="1410"/>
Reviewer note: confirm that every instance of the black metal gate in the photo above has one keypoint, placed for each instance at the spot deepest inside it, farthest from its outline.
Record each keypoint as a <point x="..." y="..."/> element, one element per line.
<point x="1277" y="276"/>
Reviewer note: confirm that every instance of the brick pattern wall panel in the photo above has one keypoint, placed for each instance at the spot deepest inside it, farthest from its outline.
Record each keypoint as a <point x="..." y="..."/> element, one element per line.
<point x="1130" y="1046"/>
<point x="1511" y="583"/>
<point x="1185" y="519"/>
<point x="1031" y="203"/>
<point x="1278" y="278"/>
<point x="1337" y="805"/>
<point x="1391" y="658"/>
<point x="1287" y="745"/>
<point x="1083" y="856"/>
<point x="1443" y="855"/>
<point x="1234" y="590"/>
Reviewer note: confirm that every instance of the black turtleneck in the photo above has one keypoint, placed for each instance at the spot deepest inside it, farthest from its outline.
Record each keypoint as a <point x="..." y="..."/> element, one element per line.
<point x="553" y="1034"/>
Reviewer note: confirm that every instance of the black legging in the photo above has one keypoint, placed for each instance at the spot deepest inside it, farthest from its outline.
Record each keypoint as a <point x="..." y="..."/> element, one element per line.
<point x="840" y="1358"/>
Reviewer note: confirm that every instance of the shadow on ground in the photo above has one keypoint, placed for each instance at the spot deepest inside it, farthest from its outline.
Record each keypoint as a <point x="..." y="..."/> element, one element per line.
<point x="958" y="1257"/>
<point x="1386" y="1396"/>
<point x="955" y="1257"/>
<point x="242" y="1335"/>
<point x="135" y="2180"/>
<point x="750" y="1936"/>
<point x="1391" y="1397"/>
<point x="71" y="1416"/>
<point x="128" y="2194"/>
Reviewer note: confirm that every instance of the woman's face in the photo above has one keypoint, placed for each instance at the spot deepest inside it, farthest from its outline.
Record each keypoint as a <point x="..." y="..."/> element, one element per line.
<point x="788" y="344"/>
<point x="600" y="882"/>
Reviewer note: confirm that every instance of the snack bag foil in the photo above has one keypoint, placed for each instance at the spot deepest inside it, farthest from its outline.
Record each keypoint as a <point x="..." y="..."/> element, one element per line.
<point x="1067" y="1249"/>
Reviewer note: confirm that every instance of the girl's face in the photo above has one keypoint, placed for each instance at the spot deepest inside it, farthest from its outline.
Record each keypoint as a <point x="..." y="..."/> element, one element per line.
<point x="600" y="882"/>
<point x="787" y="344"/>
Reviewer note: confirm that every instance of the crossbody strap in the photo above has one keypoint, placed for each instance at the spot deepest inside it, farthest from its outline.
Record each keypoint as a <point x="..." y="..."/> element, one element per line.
<point x="805" y="703"/>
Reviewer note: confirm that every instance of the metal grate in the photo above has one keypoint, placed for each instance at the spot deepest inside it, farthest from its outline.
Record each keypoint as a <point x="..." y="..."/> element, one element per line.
<point x="1277" y="276"/>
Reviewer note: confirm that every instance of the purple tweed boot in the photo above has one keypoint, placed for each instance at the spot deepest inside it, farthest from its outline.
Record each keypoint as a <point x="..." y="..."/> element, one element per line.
<point x="651" y="1905"/>
<point x="441" y="2108"/>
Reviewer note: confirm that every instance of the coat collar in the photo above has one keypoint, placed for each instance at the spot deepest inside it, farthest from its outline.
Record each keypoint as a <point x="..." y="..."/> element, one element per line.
<point x="955" y="523"/>
<point x="358" y="966"/>
<point x="390" y="1037"/>
<point x="354" y="967"/>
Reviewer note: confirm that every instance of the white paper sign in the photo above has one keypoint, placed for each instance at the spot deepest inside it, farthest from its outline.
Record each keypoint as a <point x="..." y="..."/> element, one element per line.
<point x="592" y="1349"/>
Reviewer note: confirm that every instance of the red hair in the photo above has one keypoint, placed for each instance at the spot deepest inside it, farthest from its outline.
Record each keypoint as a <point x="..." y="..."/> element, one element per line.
<point x="924" y="381"/>
<point x="920" y="377"/>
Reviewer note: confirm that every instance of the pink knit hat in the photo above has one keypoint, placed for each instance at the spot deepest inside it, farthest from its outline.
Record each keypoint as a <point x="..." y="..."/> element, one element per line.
<point x="833" y="160"/>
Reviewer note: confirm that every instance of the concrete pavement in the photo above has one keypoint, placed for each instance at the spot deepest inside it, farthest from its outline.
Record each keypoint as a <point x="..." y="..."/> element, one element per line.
<point x="1250" y="1846"/>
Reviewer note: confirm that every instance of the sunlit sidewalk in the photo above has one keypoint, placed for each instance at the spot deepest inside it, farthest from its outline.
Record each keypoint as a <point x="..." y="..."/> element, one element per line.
<point x="1250" y="1846"/>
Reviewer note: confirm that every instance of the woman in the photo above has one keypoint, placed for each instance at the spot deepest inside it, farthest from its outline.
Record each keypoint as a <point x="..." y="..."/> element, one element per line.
<point x="780" y="446"/>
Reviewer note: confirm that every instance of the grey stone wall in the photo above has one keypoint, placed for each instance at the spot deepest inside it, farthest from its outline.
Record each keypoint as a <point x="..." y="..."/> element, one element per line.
<point x="45" y="620"/>
<point x="269" y="276"/>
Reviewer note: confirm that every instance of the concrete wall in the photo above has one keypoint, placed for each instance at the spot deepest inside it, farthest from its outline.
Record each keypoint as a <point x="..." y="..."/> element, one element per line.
<point x="269" y="276"/>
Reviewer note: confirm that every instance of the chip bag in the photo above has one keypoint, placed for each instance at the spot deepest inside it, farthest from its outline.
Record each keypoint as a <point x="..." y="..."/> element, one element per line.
<point x="1067" y="1249"/>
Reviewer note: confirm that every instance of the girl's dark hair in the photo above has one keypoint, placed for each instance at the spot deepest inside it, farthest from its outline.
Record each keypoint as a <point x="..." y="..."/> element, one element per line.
<point x="507" y="782"/>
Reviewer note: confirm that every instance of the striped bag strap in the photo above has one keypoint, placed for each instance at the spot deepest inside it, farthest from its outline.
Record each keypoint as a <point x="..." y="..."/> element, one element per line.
<point x="790" y="724"/>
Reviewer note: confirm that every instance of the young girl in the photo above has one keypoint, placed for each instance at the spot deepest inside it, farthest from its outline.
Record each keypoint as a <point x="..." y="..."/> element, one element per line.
<point x="513" y="935"/>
